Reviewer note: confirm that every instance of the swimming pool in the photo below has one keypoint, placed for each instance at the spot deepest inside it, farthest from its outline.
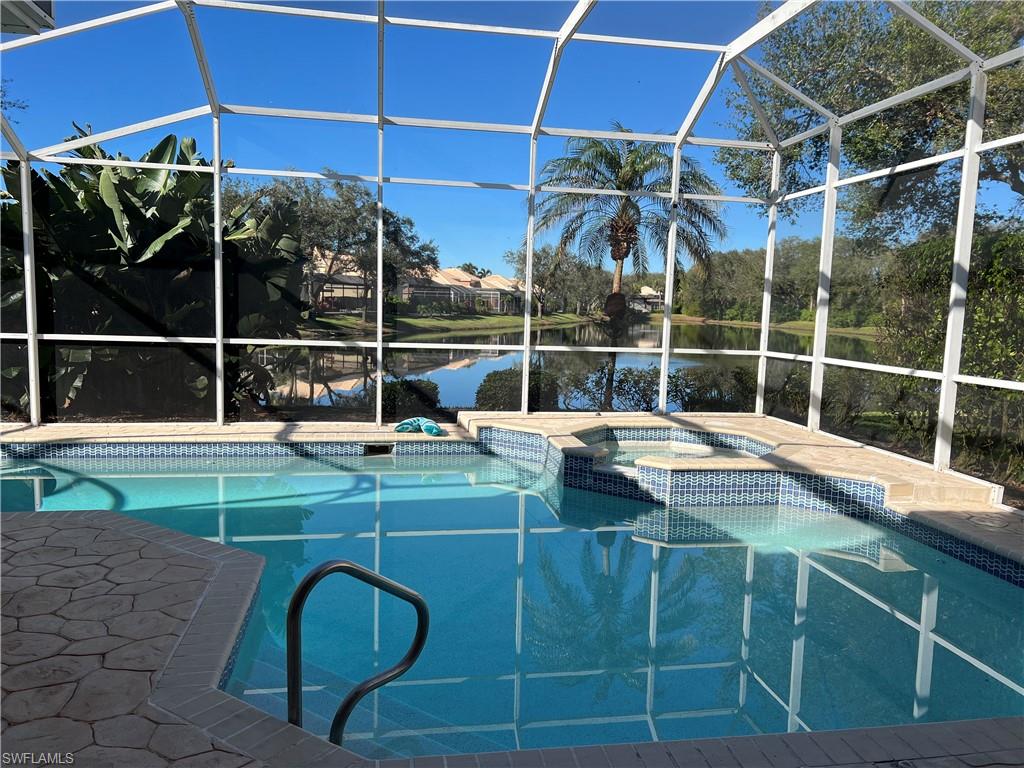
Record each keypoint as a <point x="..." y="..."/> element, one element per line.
<point x="560" y="616"/>
<point x="625" y="454"/>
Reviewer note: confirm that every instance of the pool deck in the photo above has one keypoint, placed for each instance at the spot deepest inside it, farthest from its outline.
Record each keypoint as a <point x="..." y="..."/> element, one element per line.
<point x="964" y="507"/>
<point x="116" y="633"/>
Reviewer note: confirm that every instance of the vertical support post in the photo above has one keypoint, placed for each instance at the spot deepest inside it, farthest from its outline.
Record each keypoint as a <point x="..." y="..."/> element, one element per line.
<point x="796" y="664"/>
<point x="222" y="511"/>
<point x="378" y="543"/>
<point x="517" y="692"/>
<point x="696" y="109"/>
<point x="769" y="272"/>
<point x="218" y="271"/>
<point x="670" y="283"/>
<point x="925" y="646"/>
<point x="379" y="405"/>
<point x="961" y="269"/>
<point x="652" y="637"/>
<point x="748" y="609"/>
<point x="31" y="326"/>
<point x="828" y="233"/>
<point x="531" y="208"/>
<point x="566" y="31"/>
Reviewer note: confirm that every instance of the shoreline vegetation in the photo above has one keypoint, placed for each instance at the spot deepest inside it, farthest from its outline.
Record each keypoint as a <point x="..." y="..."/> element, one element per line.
<point x="471" y="324"/>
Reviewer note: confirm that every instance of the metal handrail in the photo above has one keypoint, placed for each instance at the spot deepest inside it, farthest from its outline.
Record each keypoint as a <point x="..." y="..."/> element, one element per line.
<point x="293" y="645"/>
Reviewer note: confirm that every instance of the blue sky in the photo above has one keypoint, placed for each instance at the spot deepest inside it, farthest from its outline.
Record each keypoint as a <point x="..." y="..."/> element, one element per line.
<point x="144" y="68"/>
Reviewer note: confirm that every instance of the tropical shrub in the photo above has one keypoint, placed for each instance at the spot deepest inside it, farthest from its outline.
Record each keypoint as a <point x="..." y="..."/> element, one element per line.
<point x="404" y="398"/>
<point x="502" y="391"/>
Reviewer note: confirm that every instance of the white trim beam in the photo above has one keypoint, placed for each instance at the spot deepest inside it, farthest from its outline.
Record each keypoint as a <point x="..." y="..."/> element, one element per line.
<point x="569" y="26"/>
<point x="961" y="270"/>
<point x="218" y="272"/>
<point x="699" y="103"/>
<point x="28" y="244"/>
<point x="300" y="174"/>
<point x="647" y="42"/>
<point x="769" y="274"/>
<point x="84" y="26"/>
<point x="111" y="163"/>
<point x="301" y="114"/>
<point x="457" y="26"/>
<point x="379" y="288"/>
<point x="880" y="368"/>
<point x="1009" y="57"/>
<point x="755" y="104"/>
<point x="800" y="96"/>
<point x="828" y="231"/>
<point x="909" y="95"/>
<point x="1005" y="141"/>
<point x="939" y="34"/>
<point x="801" y="193"/>
<point x="983" y="381"/>
<point x="127" y="130"/>
<point x="782" y="15"/>
<point x="287" y="10"/>
<point x="185" y="6"/>
<point x="568" y="29"/>
<point x="458" y="125"/>
<point x="810" y="133"/>
<point x="20" y="153"/>
<point x="924" y="162"/>
<point x="670" y="283"/>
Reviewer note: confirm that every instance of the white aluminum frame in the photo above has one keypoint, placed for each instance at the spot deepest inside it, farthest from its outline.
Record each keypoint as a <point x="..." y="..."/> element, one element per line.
<point x="734" y="56"/>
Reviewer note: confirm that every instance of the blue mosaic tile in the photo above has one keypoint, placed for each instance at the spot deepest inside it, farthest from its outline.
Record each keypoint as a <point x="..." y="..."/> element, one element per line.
<point x="531" y="462"/>
<point x="46" y="451"/>
<point x="439" y="448"/>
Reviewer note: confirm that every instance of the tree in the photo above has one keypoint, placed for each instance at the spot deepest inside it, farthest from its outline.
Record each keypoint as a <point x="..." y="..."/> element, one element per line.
<point x="338" y="232"/>
<point x="474" y="270"/>
<point x="123" y="250"/>
<point x="552" y="268"/>
<point x="9" y="103"/>
<point x="599" y="618"/>
<point x="848" y="55"/>
<point x="626" y="227"/>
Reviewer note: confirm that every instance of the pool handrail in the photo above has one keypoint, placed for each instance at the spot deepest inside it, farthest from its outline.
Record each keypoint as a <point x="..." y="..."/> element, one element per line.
<point x="293" y="642"/>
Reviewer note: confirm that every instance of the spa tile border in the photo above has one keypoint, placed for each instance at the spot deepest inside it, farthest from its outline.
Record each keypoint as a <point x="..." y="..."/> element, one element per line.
<point x="979" y="534"/>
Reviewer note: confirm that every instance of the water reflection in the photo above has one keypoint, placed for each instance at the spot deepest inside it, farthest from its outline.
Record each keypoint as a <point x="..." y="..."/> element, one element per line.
<point x="647" y="334"/>
<point x="567" y="617"/>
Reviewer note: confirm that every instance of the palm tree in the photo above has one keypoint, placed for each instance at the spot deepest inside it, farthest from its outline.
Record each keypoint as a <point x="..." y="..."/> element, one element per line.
<point x="601" y="620"/>
<point x="625" y="226"/>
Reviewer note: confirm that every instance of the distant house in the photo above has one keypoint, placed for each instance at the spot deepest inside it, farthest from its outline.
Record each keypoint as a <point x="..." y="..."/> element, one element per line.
<point x="647" y="300"/>
<point x="339" y="289"/>
<point x="494" y="293"/>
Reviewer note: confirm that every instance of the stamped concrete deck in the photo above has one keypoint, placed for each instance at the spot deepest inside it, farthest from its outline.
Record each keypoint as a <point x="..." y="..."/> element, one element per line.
<point x="116" y="633"/>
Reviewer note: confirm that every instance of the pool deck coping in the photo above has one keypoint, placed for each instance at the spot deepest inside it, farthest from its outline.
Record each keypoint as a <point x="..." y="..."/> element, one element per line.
<point x="956" y="504"/>
<point x="186" y="692"/>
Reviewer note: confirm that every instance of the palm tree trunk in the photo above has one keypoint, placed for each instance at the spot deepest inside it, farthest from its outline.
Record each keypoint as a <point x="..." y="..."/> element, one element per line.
<point x="609" y="381"/>
<point x="617" y="277"/>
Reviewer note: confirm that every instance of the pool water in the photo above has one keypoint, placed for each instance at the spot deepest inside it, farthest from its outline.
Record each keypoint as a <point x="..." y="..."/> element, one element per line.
<point x="625" y="453"/>
<point x="606" y="622"/>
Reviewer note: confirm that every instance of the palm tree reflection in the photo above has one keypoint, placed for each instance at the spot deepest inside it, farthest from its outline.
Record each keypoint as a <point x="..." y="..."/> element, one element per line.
<point x="603" y="622"/>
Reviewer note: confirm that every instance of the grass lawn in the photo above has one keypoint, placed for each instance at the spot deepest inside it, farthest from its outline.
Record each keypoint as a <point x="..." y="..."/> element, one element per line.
<point x="802" y="327"/>
<point x="807" y="327"/>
